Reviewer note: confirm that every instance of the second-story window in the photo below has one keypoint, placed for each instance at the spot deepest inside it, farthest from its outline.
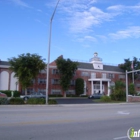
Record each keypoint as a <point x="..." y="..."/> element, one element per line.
<point x="103" y="75"/>
<point x="85" y="74"/>
<point x="93" y="75"/>
<point x="111" y="75"/>
<point x="55" y="81"/>
<point x="121" y="76"/>
<point x="72" y="82"/>
<point x="55" y="71"/>
<point x="41" y="81"/>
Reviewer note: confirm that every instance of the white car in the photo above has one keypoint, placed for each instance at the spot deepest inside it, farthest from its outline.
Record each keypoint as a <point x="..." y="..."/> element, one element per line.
<point x="33" y="95"/>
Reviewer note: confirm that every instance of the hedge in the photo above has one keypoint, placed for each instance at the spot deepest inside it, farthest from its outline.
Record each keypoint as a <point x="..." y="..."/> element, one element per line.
<point x="9" y="92"/>
<point x="16" y="101"/>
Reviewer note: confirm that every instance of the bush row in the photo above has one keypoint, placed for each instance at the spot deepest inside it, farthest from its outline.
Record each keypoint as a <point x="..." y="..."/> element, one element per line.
<point x="19" y="101"/>
<point x="9" y="93"/>
<point x="105" y="99"/>
<point x="3" y="101"/>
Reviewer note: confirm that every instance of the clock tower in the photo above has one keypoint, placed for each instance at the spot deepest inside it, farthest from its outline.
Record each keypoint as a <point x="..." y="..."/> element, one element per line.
<point x="96" y="61"/>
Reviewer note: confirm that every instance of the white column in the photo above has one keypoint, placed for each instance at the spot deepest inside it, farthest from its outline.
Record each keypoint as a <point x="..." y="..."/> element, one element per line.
<point x="101" y="90"/>
<point x="108" y="94"/>
<point x="91" y="87"/>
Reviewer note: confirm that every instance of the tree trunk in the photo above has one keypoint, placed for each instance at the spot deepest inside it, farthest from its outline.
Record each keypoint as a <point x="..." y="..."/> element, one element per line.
<point x="25" y="91"/>
<point x="65" y="94"/>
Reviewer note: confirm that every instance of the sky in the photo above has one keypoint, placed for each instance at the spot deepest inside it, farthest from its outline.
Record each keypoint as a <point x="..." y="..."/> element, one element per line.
<point x="79" y="28"/>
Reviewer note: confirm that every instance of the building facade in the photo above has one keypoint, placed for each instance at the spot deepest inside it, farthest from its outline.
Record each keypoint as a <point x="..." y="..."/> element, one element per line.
<point x="7" y="79"/>
<point x="97" y="78"/>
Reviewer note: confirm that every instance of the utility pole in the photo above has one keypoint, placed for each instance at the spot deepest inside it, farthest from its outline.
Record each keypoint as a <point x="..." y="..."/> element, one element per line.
<point x="49" y="46"/>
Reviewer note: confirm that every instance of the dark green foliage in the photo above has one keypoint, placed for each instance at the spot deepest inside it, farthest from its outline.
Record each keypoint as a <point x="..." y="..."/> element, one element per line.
<point x="105" y="99"/>
<point x="118" y="96"/>
<point x="72" y="95"/>
<point x="131" y="89"/>
<point x="66" y="69"/>
<point x="16" y="101"/>
<point x="8" y="93"/>
<point x="52" y="101"/>
<point x="79" y="86"/>
<point x="3" y="101"/>
<point x="127" y="66"/>
<point x="26" y="67"/>
<point x="36" y="101"/>
<point x="55" y="95"/>
<point x="40" y="101"/>
<point x="118" y="91"/>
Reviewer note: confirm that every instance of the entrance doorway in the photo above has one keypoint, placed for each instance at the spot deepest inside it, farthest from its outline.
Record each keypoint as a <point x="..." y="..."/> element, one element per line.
<point x="97" y="88"/>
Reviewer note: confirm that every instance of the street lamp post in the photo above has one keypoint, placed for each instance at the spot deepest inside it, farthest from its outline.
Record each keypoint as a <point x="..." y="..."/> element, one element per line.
<point x="49" y="46"/>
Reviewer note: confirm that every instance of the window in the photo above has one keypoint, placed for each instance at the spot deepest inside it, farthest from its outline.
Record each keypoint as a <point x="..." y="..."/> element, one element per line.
<point x="43" y="71"/>
<point x="93" y="75"/>
<point x="110" y="75"/>
<point x="30" y="90"/>
<point x="85" y="74"/>
<point x="121" y="76"/>
<point x="54" y="91"/>
<point x="72" y="82"/>
<point x="104" y="75"/>
<point x="55" y="71"/>
<point x="55" y="81"/>
<point x="33" y="81"/>
<point x="70" y="92"/>
<point x="41" y="81"/>
<point x="41" y="90"/>
<point x="138" y="85"/>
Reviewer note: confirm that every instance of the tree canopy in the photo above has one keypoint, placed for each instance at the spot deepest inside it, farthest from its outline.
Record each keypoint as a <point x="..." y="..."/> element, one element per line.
<point x="66" y="69"/>
<point x="128" y="64"/>
<point x="26" y="67"/>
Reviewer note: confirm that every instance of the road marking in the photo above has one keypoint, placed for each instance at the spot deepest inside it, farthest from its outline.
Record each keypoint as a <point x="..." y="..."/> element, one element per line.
<point x="123" y="112"/>
<point x="119" y="138"/>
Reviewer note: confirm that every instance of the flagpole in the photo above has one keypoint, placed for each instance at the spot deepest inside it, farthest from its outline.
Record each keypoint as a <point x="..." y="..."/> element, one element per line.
<point x="133" y="77"/>
<point x="132" y="67"/>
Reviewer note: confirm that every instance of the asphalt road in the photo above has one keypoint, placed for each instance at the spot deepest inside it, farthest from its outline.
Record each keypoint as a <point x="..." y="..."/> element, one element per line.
<point x="68" y="122"/>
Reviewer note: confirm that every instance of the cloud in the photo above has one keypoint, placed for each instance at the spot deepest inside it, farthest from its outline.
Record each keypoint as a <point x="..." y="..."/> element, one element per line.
<point x="39" y="10"/>
<point x="90" y="38"/>
<point x="133" y="31"/>
<point x="116" y="8"/>
<point x="84" y="20"/>
<point x="21" y="3"/>
<point x="122" y="8"/>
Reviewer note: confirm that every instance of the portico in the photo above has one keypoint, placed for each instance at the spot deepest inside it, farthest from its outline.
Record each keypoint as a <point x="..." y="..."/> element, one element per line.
<point x="97" y="86"/>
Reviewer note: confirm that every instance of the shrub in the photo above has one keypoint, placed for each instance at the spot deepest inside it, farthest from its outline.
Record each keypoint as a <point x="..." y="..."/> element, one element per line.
<point x="118" y="91"/>
<point x="16" y="101"/>
<point x="3" y="101"/>
<point x="55" y="95"/>
<point x="51" y="101"/>
<point x="72" y="95"/>
<point x="105" y="99"/>
<point x="79" y="86"/>
<point x="8" y="93"/>
<point x="118" y="95"/>
<point x="36" y="101"/>
<point x="131" y="89"/>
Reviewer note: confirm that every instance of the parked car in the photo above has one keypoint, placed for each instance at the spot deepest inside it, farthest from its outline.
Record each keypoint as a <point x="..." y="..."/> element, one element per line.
<point x="3" y="95"/>
<point x="33" y="95"/>
<point x="95" y="96"/>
